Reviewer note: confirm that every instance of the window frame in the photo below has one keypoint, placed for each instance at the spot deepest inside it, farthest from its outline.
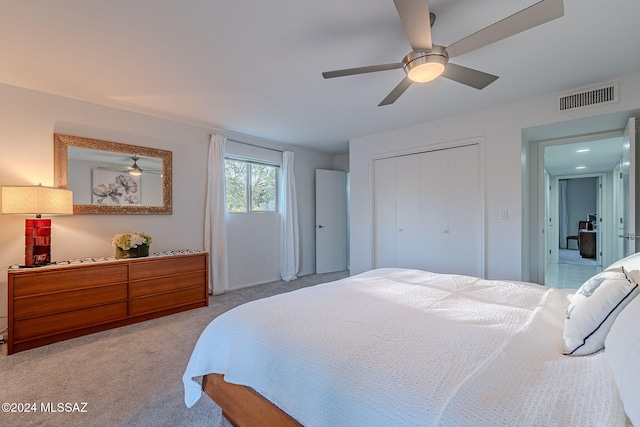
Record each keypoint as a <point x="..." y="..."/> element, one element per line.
<point x="249" y="184"/>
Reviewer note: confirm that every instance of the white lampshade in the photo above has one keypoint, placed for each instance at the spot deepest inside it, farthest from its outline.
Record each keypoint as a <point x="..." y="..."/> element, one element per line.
<point x="36" y="199"/>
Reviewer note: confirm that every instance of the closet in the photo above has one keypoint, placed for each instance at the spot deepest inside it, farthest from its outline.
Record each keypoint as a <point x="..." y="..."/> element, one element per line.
<point x="428" y="211"/>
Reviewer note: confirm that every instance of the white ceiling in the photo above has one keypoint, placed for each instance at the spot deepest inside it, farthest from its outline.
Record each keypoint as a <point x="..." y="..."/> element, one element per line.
<point x="254" y="67"/>
<point x="583" y="158"/>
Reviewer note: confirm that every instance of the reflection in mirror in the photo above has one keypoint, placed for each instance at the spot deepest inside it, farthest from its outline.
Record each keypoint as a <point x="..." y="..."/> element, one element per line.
<point x="112" y="178"/>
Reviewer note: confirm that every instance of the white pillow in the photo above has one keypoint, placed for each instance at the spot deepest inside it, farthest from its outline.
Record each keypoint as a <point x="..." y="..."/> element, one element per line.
<point x="594" y="307"/>
<point x="632" y="262"/>
<point x="622" y="351"/>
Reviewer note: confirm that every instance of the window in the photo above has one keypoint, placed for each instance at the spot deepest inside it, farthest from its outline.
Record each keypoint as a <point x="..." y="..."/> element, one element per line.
<point x="251" y="186"/>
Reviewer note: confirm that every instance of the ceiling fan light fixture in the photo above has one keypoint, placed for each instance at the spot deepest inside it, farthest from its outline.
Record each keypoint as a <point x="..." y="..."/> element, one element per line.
<point x="426" y="72"/>
<point x="422" y="67"/>
<point x="134" y="169"/>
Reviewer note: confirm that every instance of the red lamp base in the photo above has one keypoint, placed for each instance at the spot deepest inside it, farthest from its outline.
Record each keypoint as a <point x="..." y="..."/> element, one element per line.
<point x="37" y="250"/>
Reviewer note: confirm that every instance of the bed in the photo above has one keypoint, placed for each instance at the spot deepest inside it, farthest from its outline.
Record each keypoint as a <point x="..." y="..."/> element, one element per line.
<point x="406" y="347"/>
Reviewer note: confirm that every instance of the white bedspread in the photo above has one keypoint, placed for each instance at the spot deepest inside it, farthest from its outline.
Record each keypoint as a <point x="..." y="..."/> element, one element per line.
<point x="395" y="347"/>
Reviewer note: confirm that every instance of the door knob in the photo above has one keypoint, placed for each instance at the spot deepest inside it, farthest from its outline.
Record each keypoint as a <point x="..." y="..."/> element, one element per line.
<point x="320" y="226"/>
<point x="629" y="236"/>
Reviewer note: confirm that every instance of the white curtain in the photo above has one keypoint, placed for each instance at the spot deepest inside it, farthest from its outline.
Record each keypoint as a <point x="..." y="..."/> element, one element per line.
<point x="215" y="230"/>
<point x="289" y="241"/>
<point x="563" y="222"/>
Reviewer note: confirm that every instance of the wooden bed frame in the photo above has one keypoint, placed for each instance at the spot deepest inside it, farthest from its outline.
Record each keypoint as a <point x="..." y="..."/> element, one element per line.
<point x="243" y="406"/>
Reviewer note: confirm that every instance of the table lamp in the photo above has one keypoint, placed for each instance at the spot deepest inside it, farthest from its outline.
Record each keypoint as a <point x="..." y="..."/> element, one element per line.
<point x="36" y="200"/>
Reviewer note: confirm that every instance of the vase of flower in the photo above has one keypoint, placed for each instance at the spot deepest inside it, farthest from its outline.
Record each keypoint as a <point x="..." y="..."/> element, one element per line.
<point x="131" y="245"/>
<point x="137" y="252"/>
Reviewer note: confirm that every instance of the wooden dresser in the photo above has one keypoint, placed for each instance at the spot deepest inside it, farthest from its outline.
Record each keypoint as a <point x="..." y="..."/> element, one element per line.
<point x="52" y="304"/>
<point x="587" y="242"/>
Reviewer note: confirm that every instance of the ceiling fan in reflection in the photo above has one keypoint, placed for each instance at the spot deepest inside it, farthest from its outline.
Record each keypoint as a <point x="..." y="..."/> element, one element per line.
<point x="133" y="169"/>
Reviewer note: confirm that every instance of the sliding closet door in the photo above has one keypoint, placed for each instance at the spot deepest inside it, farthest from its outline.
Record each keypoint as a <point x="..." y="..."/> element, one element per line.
<point x="384" y="236"/>
<point x="397" y="212"/>
<point x="434" y="206"/>
<point x="465" y="211"/>
<point x="428" y="211"/>
<point x="408" y="211"/>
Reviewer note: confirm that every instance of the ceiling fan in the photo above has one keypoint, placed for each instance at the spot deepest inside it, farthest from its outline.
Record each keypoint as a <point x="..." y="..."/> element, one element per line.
<point x="428" y="61"/>
<point x="133" y="170"/>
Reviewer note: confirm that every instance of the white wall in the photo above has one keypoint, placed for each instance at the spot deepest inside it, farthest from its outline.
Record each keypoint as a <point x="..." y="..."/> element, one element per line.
<point x="507" y="249"/>
<point x="29" y="120"/>
<point x="341" y="163"/>
<point x="254" y="239"/>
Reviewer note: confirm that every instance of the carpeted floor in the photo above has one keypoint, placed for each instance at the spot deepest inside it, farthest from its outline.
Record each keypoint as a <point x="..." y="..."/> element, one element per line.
<point x="130" y="376"/>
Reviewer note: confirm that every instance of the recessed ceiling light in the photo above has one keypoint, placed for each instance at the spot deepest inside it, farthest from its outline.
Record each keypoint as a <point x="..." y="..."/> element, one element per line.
<point x="581" y="167"/>
<point x="582" y="150"/>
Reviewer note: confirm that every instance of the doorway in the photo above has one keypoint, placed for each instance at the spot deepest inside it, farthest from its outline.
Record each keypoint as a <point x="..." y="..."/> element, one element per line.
<point x="331" y="221"/>
<point x="578" y="207"/>
<point x="535" y="187"/>
<point x="575" y="243"/>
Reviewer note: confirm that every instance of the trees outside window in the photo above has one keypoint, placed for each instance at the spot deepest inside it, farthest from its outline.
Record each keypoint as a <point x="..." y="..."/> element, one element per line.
<point x="251" y="186"/>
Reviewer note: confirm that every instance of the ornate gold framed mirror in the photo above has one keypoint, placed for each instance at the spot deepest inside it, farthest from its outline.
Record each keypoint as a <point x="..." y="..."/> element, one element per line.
<point x="113" y="178"/>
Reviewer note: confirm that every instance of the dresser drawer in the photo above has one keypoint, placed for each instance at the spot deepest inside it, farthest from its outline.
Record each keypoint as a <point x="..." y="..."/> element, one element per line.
<point x="39" y="326"/>
<point x="54" y="303"/>
<point x="25" y="307"/>
<point x="166" y="301"/>
<point x="166" y="266"/>
<point x="69" y="277"/>
<point x="167" y="284"/>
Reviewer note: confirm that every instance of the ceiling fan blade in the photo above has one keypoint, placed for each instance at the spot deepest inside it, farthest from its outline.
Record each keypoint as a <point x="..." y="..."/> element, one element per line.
<point x="360" y="70"/>
<point x="416" y="21"/>
<point x="115" y="169"/>
<point x="532" y="16"/>
<point x="396" y="92"/>
<point x="468" y="76"/>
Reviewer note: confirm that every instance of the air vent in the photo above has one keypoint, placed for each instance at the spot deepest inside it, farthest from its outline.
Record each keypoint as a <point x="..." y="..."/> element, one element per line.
<point x="607" y="94"/>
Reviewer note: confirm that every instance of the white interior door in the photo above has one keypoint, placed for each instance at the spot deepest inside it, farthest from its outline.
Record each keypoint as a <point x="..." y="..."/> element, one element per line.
<point x="428" y="211"/>
<point x="603" y="233"/>
<point x="618" y="213"/>
<point x="628" y="169"/>
<point x="384" y="199"/>
<point x="408" y="211"/>
<point x="551" y="218"/>
<point x="465" y="207"/>
<point x="435" y="211"/>
<point x="331" y="221"/>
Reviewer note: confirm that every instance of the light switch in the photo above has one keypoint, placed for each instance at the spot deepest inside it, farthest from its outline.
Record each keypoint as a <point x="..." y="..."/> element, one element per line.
<point x="503" y="214"/>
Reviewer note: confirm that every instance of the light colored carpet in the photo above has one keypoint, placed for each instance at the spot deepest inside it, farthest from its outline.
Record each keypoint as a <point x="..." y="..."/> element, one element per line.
<point x="130" y="376"/>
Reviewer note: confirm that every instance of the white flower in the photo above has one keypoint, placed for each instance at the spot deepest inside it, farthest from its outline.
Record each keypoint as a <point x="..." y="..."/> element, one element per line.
<point x="127" y="241"/>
